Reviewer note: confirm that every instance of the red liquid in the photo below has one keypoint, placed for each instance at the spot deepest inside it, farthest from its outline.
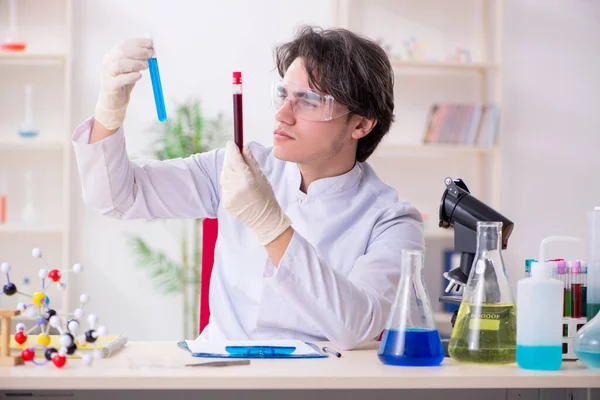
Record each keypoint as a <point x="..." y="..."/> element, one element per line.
<point x="13" y="46"/>
<point x="576" y="300"/>
<point x="238" y="124"/>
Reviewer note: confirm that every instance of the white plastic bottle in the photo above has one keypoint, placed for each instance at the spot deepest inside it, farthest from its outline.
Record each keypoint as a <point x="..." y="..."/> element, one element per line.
<point x="539" y="319"/>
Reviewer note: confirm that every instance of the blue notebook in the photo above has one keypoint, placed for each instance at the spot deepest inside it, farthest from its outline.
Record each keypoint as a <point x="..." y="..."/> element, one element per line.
<point x="253" y="349"/>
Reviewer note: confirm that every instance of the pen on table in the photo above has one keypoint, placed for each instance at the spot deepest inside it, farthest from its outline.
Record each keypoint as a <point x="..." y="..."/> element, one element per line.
<point x="331" y="351"/>
<point x="219" y="363"/>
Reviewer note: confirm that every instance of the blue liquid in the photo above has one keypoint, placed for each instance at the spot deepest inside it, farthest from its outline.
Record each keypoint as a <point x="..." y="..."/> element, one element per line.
<point x="541" y="358"/>
<point x="28" y="134"/>
<point x="420" y="348"/>
<point x="157" y="88"/>
<point x="590" y="359"/>
<point x="260" y="351"/>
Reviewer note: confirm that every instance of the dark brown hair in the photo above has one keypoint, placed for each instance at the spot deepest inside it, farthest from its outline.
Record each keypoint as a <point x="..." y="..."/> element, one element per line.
<point x="355" y="70"/>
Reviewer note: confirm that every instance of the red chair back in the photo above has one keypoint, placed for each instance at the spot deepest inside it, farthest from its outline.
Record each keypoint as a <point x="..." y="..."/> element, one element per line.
<point x="210" y="228"/>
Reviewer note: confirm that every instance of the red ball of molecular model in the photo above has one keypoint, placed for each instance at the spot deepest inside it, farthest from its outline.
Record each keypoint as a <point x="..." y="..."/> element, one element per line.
<point x="69" y="341"/>
<point x="45" y="318"/>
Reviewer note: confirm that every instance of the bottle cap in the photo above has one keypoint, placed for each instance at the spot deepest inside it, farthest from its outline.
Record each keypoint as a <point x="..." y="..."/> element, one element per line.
<point x="528" y="262"/>
<point x="562" y="267"/>
<point x="237" y="78"/>
<point x="541" y="270"/>
<point x="576" y="267"/>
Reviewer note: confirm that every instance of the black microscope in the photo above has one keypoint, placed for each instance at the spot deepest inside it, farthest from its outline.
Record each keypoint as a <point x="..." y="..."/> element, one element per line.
<point x="461" y="211"/>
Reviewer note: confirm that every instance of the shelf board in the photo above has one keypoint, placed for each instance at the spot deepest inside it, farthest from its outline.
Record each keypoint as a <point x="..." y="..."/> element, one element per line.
<point x="31" y="58"/>
<point x="15" y="228"/>
<point x="416" y="150"/>
<point x="442" y="65"/>
<point x="32" y="144"/>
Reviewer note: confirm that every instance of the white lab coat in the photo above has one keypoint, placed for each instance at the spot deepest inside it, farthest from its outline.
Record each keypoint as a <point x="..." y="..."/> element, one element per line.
<point x="338" y="277"/>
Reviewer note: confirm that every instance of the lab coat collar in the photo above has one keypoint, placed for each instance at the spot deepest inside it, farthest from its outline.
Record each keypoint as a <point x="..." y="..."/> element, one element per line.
<point x="333" y="184"/>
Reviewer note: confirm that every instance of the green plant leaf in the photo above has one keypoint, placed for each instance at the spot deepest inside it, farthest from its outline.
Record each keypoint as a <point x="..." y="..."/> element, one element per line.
<point x="164" y="272"/>
<point x="186" y="132"/>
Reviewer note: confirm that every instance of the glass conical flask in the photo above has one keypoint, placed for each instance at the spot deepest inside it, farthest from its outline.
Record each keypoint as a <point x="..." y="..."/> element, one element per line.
<point x="411" y="337"/>
<point x="12" y="38"/>
<point x="485" y="328"/>
<point x="587" y="343"/>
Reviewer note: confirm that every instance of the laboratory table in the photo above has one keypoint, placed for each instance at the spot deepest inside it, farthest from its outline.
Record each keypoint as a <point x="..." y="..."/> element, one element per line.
<point x="152" y="366"/>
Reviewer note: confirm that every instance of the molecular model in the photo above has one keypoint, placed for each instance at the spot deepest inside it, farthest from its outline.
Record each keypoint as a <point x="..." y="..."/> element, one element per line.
<point x="45" y="318"/>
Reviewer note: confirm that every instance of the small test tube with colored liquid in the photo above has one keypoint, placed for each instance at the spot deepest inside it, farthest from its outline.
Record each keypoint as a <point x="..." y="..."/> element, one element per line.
<point x="569" y="293"/>
<point x="562" y="277"/>
<point x="584" y="289"/>
<point x="159" y="99"/>
<point x="528" y="267"/>
<point x="576" y="289"/>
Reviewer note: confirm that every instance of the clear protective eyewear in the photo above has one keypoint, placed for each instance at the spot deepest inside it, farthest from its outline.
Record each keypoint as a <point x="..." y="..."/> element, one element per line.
<point x="306" y="103"/>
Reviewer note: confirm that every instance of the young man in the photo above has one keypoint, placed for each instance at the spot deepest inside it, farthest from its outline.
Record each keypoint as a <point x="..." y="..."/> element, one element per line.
<point x="309" y="238"/>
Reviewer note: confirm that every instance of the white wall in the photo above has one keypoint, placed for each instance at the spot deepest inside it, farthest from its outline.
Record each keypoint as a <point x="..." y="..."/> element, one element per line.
<point x="550" y="126"/>
<point x="199" y="44"/>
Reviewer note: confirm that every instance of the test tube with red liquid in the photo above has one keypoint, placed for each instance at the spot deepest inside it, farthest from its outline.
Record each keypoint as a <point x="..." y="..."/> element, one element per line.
<point x="576" y="289"/>
<point x="238" y="124"/>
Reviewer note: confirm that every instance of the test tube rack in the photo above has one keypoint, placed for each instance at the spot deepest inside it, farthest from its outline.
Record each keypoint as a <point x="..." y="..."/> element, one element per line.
<point x="570" y="328"/>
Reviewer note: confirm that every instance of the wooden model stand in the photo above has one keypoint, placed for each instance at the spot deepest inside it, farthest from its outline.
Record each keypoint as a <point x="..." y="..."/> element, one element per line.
<point x="6" y="360"/>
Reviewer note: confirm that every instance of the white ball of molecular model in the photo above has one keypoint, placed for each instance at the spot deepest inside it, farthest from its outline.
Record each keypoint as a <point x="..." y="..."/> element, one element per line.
<point x="45" y="317"/>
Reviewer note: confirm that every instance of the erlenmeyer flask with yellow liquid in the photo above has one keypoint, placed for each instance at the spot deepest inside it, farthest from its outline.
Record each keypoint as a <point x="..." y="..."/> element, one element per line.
<point x="485" y="331"/>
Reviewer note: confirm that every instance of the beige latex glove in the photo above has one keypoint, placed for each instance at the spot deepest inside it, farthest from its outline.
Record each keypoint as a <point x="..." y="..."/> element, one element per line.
<point x="248" y="196"/>
<point x="121" y="69"/>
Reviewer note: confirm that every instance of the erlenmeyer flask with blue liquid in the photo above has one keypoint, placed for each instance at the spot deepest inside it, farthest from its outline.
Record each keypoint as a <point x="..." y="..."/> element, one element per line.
<point x="411" y="337"/>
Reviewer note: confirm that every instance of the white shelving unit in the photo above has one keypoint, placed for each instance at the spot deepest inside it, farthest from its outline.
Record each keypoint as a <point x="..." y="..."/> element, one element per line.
<point x="46" y="26"/>
<point x="414" y="169"/>
<point x="486" y="66"/>
<point x="478" y="67"/>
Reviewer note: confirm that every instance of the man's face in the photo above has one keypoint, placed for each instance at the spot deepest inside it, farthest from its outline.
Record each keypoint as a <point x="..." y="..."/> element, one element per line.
<point x="302" y="141"/>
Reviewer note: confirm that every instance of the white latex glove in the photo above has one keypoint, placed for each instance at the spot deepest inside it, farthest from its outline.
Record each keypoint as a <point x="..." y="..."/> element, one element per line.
<point x="121" y="69"/>
<point x="248" y="195"/>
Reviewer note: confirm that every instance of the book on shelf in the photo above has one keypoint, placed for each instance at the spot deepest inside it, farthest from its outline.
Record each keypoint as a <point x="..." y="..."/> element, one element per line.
<point x="463" y="124"/>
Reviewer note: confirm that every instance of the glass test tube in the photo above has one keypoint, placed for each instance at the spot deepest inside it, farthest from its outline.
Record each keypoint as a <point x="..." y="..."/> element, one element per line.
<point x="584" y="289"/>
<point x="569" y="293"/>
<point x="593" y="266"/>
<point x="562" y="278"/>
<point x="157" y="89"/>
<point x="576" y="289"/>
<point x="238" y="117"/>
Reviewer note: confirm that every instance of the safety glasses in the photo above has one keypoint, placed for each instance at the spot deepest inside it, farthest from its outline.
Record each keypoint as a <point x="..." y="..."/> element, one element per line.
<point x="306" y="103"/>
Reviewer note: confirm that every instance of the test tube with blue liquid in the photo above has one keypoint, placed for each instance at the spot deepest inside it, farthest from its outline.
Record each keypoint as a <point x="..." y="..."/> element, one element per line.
<point x="411" y="337"/>
<point x="157" y="88"/>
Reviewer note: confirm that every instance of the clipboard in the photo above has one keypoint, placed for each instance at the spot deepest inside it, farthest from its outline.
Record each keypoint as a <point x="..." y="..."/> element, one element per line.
<point x="257" y="351"/>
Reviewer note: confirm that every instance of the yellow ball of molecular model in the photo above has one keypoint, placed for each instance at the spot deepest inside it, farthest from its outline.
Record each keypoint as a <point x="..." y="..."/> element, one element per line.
<point x="46" y="318"/>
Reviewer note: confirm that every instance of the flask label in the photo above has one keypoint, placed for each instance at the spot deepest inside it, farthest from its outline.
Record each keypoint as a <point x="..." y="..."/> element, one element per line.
<point x="485" y="322"/>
